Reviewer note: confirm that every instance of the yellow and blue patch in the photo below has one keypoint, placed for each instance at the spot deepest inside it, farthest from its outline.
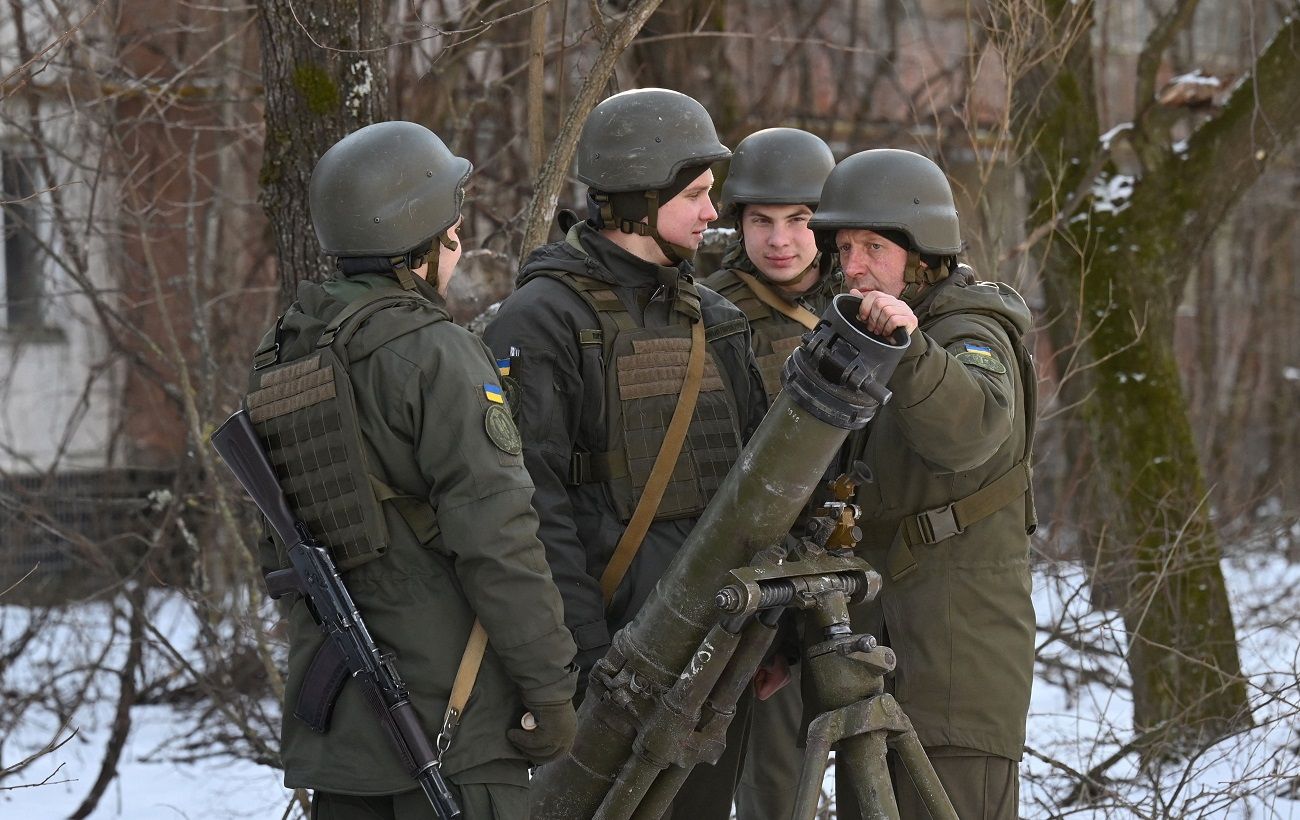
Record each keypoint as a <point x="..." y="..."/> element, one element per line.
<point x="494" y="394"/>
<point x="503" y="366"/>
<point x="980" y="356"/>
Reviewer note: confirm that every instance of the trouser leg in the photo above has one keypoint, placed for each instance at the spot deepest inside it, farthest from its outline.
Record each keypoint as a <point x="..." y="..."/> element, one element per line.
<point x="980" y="786"/>
<point x="770" y="777"/>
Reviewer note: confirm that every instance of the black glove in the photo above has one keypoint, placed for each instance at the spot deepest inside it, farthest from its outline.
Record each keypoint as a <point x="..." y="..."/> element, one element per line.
<point x="557" y="723"/>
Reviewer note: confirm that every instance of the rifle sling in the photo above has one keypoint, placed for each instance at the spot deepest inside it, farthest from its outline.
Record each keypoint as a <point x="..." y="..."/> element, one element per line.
<point x="662" y="471"/>
<point x="769" y="297"/>
<point x="328" y="671"/>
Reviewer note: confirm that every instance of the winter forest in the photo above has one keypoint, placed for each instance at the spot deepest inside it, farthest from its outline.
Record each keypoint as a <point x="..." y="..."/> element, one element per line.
<point x="1129" y="166"/>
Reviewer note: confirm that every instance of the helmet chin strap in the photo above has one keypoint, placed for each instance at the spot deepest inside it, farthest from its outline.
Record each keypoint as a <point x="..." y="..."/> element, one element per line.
<point x="609" y="219"/>
<point x="404" y="266"/>
<point x="919" y="277"/>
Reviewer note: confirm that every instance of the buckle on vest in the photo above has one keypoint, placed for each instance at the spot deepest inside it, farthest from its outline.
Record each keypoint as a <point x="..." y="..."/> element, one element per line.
<point x="268" y="357"/>
<point x="938" y="524"/>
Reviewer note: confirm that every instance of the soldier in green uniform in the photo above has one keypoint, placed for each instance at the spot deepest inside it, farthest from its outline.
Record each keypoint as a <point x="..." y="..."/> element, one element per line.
<point x="776" y="275"/>
<point x="609" y="341"/>
<point x="947" y="513"/>
<point x="444" y="459"/>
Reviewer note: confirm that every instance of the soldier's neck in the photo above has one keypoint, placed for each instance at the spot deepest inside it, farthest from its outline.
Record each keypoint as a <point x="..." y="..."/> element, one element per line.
<point x="642" y="247"/>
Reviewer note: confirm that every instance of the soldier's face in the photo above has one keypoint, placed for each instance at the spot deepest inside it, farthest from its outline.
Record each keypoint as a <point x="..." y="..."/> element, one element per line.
<point x="870" y="261"/>
<point x="683" y="218"/>
<point x="777" y="240"/>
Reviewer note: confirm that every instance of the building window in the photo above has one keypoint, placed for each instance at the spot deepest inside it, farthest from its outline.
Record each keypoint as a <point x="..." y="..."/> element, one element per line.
<point x="23" y="269"/>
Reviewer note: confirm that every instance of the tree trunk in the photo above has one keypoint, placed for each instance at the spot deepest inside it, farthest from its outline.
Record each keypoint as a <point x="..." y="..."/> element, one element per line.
<point x="325" y="75"/>
<point x="1115" y="267"/>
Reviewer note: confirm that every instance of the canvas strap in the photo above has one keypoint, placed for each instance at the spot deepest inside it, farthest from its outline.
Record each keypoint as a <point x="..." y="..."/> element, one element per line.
<point x="770" y="298"/>
<point x="463" y="685"/>
<point x="662" y="471"/>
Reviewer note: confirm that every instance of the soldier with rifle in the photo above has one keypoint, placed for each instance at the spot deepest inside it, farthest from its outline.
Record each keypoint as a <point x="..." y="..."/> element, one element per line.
<point x="947" y="515"/>
<point x="405" y="513"/>
<point x="775" y="273"/>
<point x="635" y="386"/>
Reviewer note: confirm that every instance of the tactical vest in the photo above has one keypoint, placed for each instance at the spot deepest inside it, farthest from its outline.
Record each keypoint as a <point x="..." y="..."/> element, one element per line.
<point x="644" y="369"/>
<point x="305" y="413"/>
<point x="774" y="335"/>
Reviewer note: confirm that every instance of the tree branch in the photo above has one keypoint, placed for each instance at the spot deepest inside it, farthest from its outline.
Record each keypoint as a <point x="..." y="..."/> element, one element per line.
<point x="1226" y="155"/>
<point x="537" y="222"/>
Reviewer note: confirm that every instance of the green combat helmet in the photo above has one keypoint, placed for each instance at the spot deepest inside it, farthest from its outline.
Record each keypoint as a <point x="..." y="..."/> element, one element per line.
<point x="386" y="192"/>
<point x="901" y="194"/>
<point x="639" y="149"/>
<point x="778" y="166"/>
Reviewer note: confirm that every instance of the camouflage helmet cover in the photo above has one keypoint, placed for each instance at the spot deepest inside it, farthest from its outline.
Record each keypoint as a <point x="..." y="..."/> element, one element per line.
<point x="640" y="140"/>
<point x="385" y="189"/>
<point x="891" y="189"/>
<point x="778" y="166"/>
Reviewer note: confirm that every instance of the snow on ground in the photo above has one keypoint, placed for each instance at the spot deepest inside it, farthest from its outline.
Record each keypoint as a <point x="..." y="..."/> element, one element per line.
<point x="1080" y="716"/>
<point x="1080" y="713"/>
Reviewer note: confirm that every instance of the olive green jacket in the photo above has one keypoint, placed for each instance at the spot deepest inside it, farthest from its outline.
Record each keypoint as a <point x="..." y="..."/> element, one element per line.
<point x="961" y="623"/>
<point x="421" y="406"/>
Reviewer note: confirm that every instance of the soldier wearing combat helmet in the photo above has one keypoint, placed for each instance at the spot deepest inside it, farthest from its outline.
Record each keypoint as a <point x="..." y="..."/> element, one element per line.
<point x="454" y="536"/>
<point x="776" y="275"/>
<point x="947" y="515"/>
<point x="607" y="336"/>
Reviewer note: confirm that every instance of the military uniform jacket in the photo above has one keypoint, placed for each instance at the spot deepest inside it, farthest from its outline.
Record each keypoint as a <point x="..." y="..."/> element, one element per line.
<point x="961" y="622"/>
<point x="421" y="405"/>
<point x="560" y="392"/>
<point x="775" y="335"/>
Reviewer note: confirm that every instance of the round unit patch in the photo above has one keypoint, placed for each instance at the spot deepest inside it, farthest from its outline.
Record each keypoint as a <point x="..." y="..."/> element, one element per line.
<point x="501" y="429"/>
<point x="514" y="395"/>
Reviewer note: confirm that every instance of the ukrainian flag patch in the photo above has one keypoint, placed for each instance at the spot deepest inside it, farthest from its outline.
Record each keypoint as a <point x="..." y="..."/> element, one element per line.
<point x="980" y="356"/>
<point x="494" y="394"/>
<point x="503" y="366"/>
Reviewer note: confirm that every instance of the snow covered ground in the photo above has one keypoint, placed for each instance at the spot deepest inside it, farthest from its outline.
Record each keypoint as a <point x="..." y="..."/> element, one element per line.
<point x="1080" y="718"/>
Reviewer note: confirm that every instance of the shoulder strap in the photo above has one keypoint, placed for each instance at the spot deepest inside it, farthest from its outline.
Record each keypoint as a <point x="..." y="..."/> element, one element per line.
<point x="769" y="297"/>
<point x="348" y="320"/>
<point x="941" y="523"/>
<point x="661" y="472"/>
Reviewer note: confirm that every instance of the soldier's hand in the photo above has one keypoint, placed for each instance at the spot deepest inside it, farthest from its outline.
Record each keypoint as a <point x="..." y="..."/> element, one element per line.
<point x="554" y="726"/>
<point x="883" y="314"/>
<point x="771" y="677"/>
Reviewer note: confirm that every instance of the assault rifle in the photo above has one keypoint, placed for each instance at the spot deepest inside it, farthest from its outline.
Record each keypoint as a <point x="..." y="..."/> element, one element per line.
<point x="317" y="580"/>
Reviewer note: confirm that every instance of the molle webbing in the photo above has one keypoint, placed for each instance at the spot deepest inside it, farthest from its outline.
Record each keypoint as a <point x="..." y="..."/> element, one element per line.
<point x="305" y="413"/>
<point x="310" y="437"/>
<point x="644" y="369"/>
<point x="663" y="467"/>
<point x="656" y="368"/>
